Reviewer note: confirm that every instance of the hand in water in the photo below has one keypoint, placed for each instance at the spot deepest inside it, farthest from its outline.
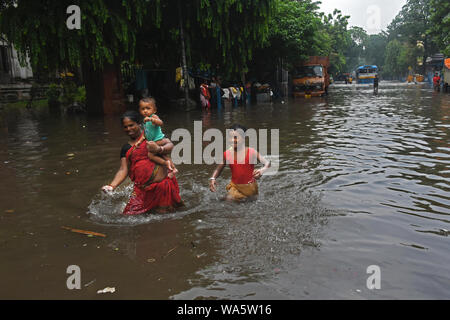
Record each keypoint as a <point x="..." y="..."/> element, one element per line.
<point x="212" y="185"/>
<point x="107" y="189"/>
<point x="257" y="173"/>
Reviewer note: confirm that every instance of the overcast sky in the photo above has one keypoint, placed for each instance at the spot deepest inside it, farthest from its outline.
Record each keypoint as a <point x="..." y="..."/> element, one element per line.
<point x="371" y="15"/>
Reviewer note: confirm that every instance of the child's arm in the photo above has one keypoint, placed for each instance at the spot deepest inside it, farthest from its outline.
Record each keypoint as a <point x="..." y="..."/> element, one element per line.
<point x="156" y="120"/>
<point x="259" y="172"/>
<point x="216" y="174"/>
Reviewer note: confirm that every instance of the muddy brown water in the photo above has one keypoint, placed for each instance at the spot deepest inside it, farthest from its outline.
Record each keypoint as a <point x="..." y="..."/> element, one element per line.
<point x="363" y="180"/>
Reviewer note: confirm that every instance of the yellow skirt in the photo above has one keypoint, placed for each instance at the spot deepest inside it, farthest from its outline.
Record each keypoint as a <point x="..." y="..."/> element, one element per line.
<point x="242" y="191"/>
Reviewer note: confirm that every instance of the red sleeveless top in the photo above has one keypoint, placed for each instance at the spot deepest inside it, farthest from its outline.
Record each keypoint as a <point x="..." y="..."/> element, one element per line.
<point x="241" y="173"/>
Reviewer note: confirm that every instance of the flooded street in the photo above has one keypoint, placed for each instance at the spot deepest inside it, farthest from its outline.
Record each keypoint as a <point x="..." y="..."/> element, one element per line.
<point x="363" y="180"/>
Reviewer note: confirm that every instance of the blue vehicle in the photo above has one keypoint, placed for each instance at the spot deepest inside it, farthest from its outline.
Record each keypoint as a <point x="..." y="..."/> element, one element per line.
<point x="366" y="74"/>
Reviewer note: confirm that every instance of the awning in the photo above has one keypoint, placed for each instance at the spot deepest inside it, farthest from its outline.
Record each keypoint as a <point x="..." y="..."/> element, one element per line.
<point x="447" y="63"/>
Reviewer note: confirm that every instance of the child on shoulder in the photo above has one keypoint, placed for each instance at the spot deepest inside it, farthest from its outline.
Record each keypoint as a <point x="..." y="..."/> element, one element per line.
<point x="241" y="160"/>
<point x="152" y="131"/>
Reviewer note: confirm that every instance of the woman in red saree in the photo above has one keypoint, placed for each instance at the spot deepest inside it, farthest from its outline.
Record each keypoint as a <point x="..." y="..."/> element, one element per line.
<point x="153" y="190"/>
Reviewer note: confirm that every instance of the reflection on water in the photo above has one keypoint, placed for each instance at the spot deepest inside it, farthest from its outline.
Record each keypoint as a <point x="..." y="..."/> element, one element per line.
<point x="363" y="180"/>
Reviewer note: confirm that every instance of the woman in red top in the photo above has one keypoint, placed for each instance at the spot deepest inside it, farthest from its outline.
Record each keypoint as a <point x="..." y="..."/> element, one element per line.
<point x="241" y="160"/>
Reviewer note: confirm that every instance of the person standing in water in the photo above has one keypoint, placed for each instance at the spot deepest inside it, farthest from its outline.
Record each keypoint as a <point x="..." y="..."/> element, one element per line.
<point x="437" y="82"/>
<point x="375" y="84"/>
<point x="153" y="190"/>
<point x="241" y="160"/>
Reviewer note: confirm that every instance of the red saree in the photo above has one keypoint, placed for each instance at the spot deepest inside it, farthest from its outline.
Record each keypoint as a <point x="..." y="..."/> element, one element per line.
<point x="162" y="196"/>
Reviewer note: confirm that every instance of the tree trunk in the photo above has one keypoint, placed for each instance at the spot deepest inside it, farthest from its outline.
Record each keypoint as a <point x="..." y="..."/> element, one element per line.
<point x="104" y="92"/>
<point x="183" y="54"/>
<point x="94" y="92"/>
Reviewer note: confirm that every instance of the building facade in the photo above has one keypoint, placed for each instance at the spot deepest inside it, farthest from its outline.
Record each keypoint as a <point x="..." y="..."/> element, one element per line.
<point x="10" y="69"/>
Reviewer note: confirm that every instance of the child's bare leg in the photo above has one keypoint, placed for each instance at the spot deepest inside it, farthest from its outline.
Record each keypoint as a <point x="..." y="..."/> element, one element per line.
<point x="162" y="143"/>
<point x="158" y="160"/>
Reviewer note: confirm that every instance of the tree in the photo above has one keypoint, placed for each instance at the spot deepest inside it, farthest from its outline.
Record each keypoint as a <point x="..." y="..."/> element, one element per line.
<point x="355" y="53"/>
<point x="292" y="37"/>
<point x="439" y="28"/>
<point x="38" y="30"/>
<point x="399" y="58"/>
<point x="333" y="39"/>
<point x="411" y="25"/>
<point x="391" y="66"/>
<point x="219" y="33"/>
<point x="375" y="48"/>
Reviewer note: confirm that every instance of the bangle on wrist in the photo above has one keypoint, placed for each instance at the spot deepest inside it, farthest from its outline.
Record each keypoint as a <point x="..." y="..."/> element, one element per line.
<point x="212" y="178"/>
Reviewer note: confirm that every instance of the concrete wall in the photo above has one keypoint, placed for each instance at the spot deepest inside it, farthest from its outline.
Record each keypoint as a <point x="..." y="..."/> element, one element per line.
<point x="16" y="71"/>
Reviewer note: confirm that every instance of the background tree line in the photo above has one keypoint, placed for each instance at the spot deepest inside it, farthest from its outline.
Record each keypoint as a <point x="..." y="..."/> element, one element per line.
<point x="233" y="38"/>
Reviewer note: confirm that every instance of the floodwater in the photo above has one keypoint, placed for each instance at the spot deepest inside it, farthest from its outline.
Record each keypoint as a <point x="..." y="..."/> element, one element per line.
<point x="363" y="181"/>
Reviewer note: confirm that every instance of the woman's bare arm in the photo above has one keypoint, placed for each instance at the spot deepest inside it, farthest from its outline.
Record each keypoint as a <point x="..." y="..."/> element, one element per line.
<point x="121" y="174"/>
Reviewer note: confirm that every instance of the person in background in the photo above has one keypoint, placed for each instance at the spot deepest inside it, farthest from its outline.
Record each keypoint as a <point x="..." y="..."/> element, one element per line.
<point x="375" y="84"/>
<point x="437" y="82"/>
<point x="205" y="96"/>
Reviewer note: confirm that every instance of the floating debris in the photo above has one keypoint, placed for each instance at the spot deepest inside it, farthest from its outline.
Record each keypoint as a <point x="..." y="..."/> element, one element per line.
<point x="151" y="260"/>
<point x="9" y="211"/>
<point x="168" y="252"/>
<point x="107" y="290"/>
<point x="71" y="155"/>
<point x="89" y="283"/>
<point x="85" y="232"/>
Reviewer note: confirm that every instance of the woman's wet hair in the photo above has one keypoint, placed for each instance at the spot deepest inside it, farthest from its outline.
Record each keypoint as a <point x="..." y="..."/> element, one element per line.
<point x="132" y="115"/>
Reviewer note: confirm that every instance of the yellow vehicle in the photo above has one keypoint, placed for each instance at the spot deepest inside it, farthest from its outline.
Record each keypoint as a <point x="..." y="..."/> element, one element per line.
<point x="311" y="77"/>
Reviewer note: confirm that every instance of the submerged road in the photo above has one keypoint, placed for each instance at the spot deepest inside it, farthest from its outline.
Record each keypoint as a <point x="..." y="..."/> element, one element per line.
<point x="363" y="181"/>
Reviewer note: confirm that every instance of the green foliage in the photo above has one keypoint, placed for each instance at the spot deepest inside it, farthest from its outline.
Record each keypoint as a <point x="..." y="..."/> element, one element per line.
<point x="292" y="30"/>
<point x="221" y="34"/>
<point x="53" y="92"/>
<point x="80" y="96"/>
<point x="38" y="30"/>
<point x="439" y="28"/>
<point x="336" y="41"/>
<point x="375" y="47"/>
<point x="399" y="58"/>
<point x="355" y="53"/>
<point x="411" y="26"/>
